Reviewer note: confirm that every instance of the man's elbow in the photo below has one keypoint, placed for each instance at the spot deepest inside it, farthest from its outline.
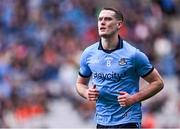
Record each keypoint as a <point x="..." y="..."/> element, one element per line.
<point x="77" y="87"/>
<point x="160" y="84"/>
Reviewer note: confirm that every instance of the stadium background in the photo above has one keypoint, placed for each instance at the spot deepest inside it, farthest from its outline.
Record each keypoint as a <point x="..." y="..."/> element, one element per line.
<point x="40" y="45"/>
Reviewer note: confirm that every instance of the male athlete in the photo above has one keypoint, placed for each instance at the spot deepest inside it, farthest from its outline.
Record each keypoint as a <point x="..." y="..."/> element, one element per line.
<point x="115" y="68"/>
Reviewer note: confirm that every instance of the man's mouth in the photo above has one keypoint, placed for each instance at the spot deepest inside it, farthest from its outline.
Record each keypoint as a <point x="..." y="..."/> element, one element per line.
<point x="102" y="28"/>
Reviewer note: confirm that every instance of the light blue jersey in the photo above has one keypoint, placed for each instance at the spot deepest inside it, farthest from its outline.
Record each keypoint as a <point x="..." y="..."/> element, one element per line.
<point x="114" y="71"/>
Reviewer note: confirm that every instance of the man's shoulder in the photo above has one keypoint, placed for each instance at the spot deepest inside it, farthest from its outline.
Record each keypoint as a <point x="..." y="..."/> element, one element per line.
<point x="128" y="46"/>
<point x="92" y="47"/>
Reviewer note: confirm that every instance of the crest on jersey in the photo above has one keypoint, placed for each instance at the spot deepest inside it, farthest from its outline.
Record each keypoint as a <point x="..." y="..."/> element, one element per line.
<point x="122" y="61"/>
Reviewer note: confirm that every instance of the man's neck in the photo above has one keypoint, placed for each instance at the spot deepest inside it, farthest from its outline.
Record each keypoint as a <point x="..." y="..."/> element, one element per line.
<point x="110" y="43"/>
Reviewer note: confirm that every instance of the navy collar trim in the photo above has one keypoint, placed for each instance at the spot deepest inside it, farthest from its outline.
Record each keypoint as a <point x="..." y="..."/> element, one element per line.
<point x="119" y="46"/>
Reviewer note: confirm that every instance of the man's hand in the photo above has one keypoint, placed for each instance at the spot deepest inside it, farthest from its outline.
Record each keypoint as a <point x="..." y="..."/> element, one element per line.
<point x="92" y="93"/>
<point x="125" y="99"/>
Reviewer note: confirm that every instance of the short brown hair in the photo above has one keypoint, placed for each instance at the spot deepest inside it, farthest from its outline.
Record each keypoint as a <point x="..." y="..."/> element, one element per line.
<point x="118" y="14"/>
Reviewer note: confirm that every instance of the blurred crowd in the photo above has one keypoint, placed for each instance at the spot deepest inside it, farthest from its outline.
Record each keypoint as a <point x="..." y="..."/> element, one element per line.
<point x="41" y="42"/>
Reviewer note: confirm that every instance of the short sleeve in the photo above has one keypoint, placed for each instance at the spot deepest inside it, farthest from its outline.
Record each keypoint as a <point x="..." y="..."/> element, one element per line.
<point x="142" y="64"/>
<point x="84" y="70"/>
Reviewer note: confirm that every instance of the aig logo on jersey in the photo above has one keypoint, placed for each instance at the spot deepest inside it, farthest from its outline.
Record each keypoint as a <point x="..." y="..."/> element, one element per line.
<point x="122" y="61"/>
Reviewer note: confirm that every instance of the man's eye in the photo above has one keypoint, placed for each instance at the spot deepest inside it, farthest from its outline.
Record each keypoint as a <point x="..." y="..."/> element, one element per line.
<point x="108" y="18"/>
<point x="100" y="19"/>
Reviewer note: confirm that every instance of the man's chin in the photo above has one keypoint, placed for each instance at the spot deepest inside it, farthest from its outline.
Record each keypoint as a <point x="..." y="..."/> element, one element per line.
<point x="104" y="35"/>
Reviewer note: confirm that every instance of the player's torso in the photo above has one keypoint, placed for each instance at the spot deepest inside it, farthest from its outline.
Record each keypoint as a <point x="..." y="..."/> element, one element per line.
<point x="113" y="72"/>
<point x="110" y="67"/>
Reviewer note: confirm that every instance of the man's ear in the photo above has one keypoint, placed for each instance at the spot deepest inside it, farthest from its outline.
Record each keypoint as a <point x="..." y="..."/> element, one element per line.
<point x="119" y="24"/>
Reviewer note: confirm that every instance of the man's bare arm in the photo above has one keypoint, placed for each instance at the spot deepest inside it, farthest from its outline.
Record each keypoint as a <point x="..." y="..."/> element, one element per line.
<point x="89" y="93"/>
<point x="155" y="85"/>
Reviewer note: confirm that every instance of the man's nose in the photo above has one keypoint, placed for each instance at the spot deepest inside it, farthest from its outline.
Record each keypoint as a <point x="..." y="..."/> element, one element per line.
<point x="102" y="22"/>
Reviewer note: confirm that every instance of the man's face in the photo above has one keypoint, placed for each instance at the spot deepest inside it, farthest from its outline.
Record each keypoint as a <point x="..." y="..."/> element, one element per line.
<point x="107" y="23"/>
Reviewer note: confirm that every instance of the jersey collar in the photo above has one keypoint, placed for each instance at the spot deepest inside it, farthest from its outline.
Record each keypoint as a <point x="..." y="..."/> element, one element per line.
<point x="119" y="46"/>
